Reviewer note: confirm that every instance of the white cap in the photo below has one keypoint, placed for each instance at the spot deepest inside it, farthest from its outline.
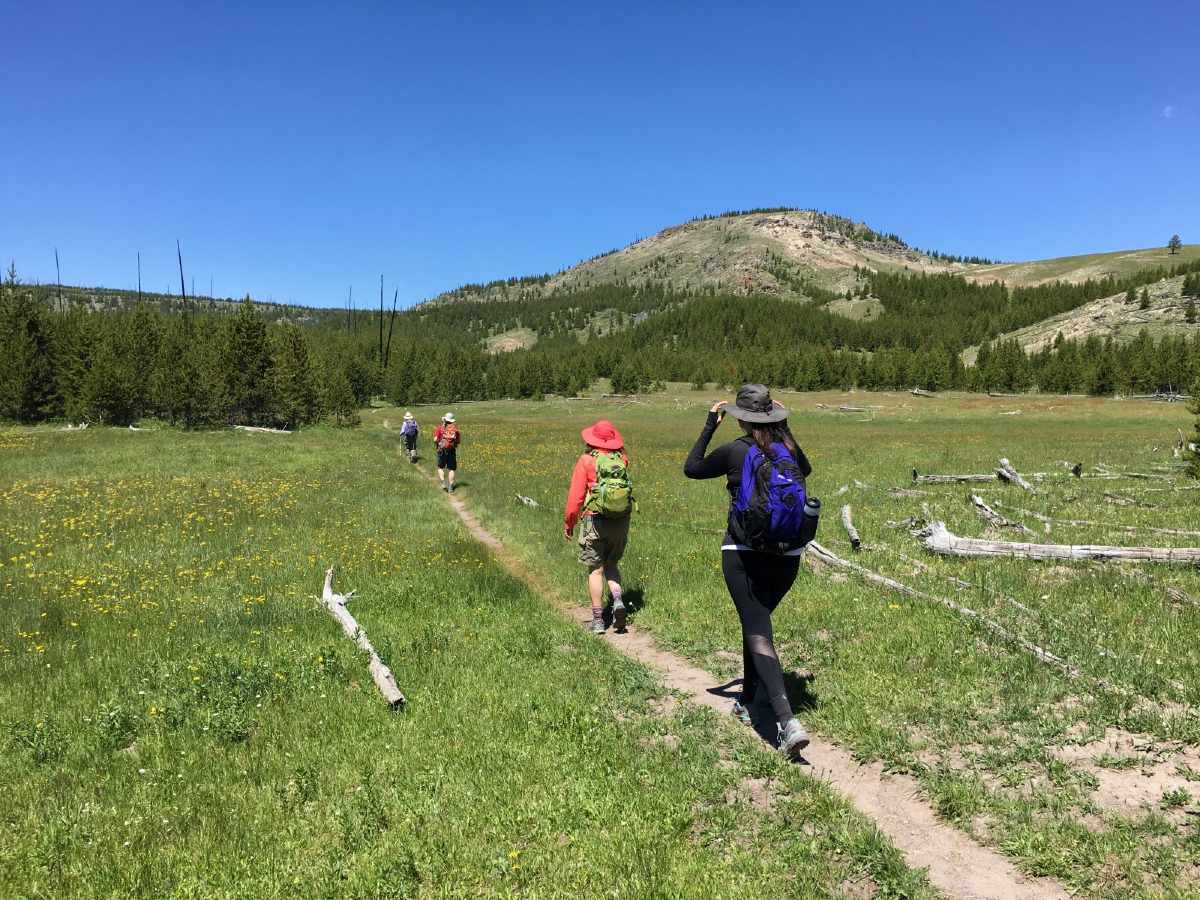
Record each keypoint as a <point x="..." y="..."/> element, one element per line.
<point x="448" y="417"/>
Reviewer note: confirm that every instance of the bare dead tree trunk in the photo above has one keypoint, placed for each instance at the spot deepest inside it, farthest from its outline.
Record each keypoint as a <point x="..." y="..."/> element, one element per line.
<point x="939" y="539"/>
<point x="381" y="319"/>
<point x="139" y="278"/>
<point x="851" y="531"/>
<point x="818" y="552"/>
<point x="58" y="284"/>
<point x="950" y="479"/>
<point x="380" y="673"/>
<point x="179" y="253"/>
<point x="349" y="301"/>
<point x="921" y="392"/>
<point x="994" y="518"/>
<point x="1181" y="598"/>
<point x="1006" y="472"/>
<point x="387" y="353"/>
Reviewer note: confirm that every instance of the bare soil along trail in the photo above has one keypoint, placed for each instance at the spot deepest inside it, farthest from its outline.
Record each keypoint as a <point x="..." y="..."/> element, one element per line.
<point x="955" y="864"/>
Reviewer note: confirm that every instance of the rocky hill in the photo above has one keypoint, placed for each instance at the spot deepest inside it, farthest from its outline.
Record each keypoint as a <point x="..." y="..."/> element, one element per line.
<point x="783" y="252"/>
<point x="789" y="252"/>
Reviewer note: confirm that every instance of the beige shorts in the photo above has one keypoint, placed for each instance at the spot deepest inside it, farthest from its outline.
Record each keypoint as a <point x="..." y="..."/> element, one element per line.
<point x="602" y="541"/>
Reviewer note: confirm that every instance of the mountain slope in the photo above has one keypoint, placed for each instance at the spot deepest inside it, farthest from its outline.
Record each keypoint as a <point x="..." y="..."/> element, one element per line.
<point x="791" y="252"/>
<point x="1077" y="269"/>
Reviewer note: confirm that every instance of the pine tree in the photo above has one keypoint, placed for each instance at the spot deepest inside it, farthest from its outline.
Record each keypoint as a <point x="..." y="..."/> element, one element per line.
<point x="339" y="398"/>
<point x="1189" y="311"/>
<point x="1144" y="302"/>
<point x="1174" y="244"/>
<point x="1131" y="296"/>
<point x="246" y="362"/>
<point x="28" y="389"/>
<point x="296" y="401"/>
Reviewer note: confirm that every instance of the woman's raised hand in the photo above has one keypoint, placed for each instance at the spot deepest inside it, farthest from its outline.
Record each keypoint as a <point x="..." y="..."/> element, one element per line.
<point x="719" y="409"/>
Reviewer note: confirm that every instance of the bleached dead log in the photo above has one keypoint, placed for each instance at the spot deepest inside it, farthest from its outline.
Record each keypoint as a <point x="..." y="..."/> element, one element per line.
<point x="819" y="553"/>
<point x="851" y="531"/>
<point x="1011" y="412"/>
<point x="1181" y="598"/>
<point x="950" y="479"/>
<point x="69" y="427"/>
<point x="1006" y="472"/>
<point x="380" y="673"/>
<point x="939" y="539"/>
<point x="921" y="392"/>
<point x="260" y="430"/>
<point x="861" y="485"/>
<point x="906" y="492"/>
<point x="994" y="518"/>
<point x="844" y="489"/>
<point x="1116" y="526"/>
<point x="1118" y="500"/>
<point x="528" y="501"/>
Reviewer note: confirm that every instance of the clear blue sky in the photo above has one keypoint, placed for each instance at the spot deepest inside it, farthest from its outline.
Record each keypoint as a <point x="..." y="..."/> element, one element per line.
<point x="297" y="148"/>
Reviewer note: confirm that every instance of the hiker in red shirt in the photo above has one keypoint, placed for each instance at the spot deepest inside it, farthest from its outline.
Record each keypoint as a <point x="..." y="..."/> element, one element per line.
<point x="600" y="500"/>
<point x="445" y="438"/>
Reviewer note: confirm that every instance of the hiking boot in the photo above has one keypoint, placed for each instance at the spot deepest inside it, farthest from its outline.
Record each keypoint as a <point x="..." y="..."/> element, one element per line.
<point x="618" y="613"/>
<point x="445" y="487"/>
<point x="451" y="488"/>
<point x="792" y="739"/>
<point x="596" y="626"/>
<point x="741" y="712"/>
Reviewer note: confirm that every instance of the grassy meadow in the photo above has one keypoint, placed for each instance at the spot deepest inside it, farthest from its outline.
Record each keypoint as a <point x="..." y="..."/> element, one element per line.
<point x="1098" y="787"/>
<point x="180" y="718"/>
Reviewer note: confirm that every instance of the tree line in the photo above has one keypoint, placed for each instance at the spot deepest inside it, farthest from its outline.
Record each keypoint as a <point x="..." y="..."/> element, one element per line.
<point x="196" y="367"/>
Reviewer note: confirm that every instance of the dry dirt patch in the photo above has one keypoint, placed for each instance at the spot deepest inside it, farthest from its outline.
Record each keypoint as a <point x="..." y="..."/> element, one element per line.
<point x="1133" y="771"/>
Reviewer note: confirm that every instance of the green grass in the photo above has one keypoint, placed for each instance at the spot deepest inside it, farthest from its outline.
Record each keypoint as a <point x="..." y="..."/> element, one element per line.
<point x="179" y="717"/>
<point x="903" y="681"/>
<point x="1118" y="263"/>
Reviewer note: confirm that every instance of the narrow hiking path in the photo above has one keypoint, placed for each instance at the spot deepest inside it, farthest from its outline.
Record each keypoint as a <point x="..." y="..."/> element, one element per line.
<point x="955" y="864"/>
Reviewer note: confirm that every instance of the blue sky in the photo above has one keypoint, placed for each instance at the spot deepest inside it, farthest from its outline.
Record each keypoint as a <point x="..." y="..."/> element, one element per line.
<point x="296" y="149"/>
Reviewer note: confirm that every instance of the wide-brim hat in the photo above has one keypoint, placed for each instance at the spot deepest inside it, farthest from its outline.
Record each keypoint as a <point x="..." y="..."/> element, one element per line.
<point x="408" y="416"/>
<point x="448" y="417"/>
<point x="603" y="436"/>
<point x="754" y="404"/>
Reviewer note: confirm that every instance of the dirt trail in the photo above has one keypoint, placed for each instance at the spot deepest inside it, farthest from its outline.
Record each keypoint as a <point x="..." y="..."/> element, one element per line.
<point x="956" y="865"/>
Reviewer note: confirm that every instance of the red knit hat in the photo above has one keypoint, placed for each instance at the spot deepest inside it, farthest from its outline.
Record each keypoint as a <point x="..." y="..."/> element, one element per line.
<point x="603" y="436"/>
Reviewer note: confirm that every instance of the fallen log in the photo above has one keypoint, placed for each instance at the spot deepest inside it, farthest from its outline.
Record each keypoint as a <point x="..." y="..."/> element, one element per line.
<point x="1006" y="472"/>
<point x="380" y="673"/>
<point x="1181" y="598"/>
<point x="259" y="430"/>
<point x="851" y="531"/>
<point x="819" y="553"/>
<point x="528" y="501"/>
<point x="949" y="479"/>
<point x="906" y="492"/>
<point x="920" y="392"/>
<point x="938" y="539"/>
<point x="1116" y="526"/>
<point x="994" y="518"/>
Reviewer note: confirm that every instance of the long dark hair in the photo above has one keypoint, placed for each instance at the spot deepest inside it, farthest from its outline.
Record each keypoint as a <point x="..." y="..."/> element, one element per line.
<point x="765" y="434"/>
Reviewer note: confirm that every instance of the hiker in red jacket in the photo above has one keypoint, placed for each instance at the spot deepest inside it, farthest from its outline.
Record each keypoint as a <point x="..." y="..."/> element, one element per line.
<point x="445" y="438"/>
<point x="600" y="500"/>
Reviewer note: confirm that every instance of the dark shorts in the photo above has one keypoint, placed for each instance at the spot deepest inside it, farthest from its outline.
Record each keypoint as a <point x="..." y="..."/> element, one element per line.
<point x="602" y="541"/>
<point x="410" y="442"/>
<point x="448" y="459"/>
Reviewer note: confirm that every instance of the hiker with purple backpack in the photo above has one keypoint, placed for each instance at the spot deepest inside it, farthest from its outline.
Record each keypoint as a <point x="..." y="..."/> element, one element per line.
<point x="409" y="431"/>
<point x="770" y="520"/>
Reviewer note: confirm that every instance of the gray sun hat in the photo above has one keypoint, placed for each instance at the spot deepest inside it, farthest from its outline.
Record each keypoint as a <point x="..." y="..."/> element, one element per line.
<point x="754" y="404"/>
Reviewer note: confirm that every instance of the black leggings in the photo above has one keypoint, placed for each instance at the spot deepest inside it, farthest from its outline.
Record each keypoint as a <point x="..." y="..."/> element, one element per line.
<point x="757" y="582"/>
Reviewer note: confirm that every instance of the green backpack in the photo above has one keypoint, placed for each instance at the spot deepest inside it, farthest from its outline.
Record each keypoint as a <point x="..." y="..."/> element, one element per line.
<point x="612" y="494"/>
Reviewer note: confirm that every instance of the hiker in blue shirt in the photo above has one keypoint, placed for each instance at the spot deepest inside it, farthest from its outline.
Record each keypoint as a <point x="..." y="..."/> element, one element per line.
<point x="760" y="556"/>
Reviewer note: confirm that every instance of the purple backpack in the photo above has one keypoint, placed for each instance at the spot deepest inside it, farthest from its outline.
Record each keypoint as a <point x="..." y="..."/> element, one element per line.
<point x="768" y="511"/>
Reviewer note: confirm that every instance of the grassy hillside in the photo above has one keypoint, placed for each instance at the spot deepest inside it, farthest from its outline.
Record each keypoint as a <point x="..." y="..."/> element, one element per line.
<point x="1095" y="266"/>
